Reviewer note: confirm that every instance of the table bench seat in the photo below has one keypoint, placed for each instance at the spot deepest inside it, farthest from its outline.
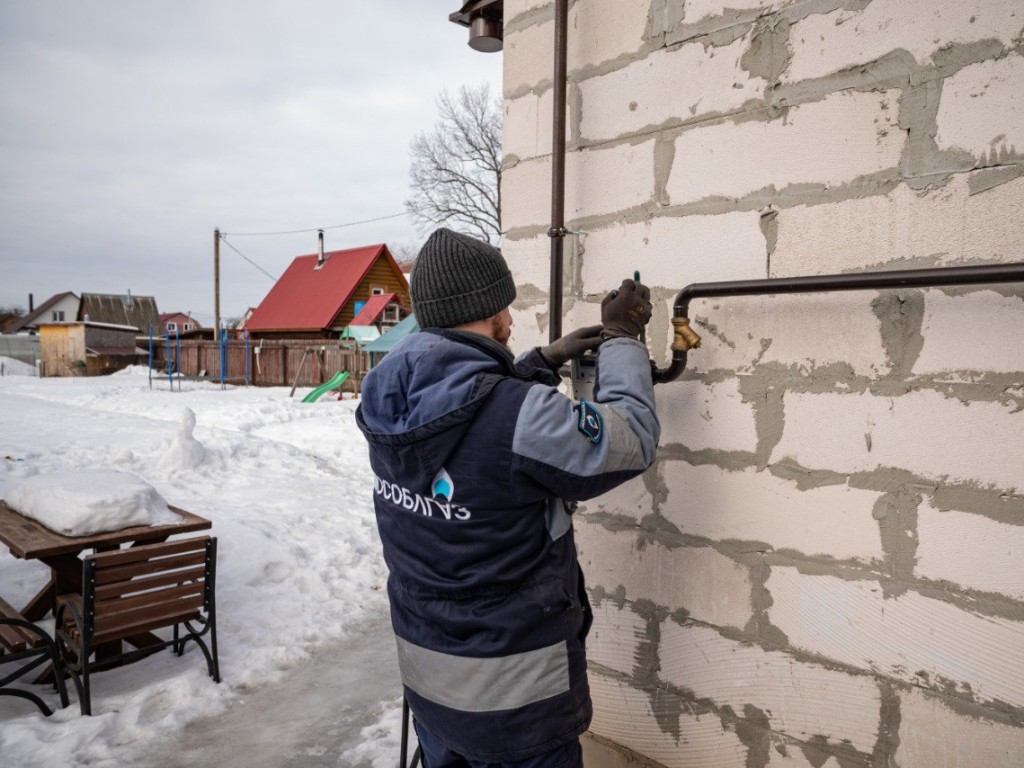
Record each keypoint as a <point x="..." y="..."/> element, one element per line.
<point x="20" y="640"/>
<point x="126" y="594"/>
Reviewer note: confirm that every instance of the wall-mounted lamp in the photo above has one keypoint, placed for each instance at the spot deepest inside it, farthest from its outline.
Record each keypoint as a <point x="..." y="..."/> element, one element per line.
<point x="485" y="19"/>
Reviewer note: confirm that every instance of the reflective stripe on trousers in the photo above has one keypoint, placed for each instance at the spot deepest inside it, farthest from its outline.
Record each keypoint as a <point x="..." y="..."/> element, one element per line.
<point x="484" y="684"/>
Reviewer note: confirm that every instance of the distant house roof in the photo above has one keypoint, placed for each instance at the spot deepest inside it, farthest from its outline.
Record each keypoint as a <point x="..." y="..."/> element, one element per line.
<point x="24" y="322"/>
<point x="386" y="342"/>
<point x="165" y="317"/>
<point x="308" y="297"/>
<point x="137" y="311"/>
<point x="243" y="324"/>
<point x="363" y="334"/>
<point x="374" y="308"/>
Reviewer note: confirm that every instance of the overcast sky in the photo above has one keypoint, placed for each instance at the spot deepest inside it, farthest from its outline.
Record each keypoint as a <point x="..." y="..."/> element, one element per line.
<point x="129" y="130"/>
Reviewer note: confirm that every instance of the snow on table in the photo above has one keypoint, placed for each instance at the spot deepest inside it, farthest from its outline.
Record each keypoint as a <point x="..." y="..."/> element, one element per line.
<point x="83" y="502"/>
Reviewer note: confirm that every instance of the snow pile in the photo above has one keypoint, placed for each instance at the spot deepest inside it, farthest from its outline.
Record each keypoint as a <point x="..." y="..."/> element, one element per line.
<point x="288" y="488"/>
<point x="11" y="367"/>
<point x="83" y="502"/>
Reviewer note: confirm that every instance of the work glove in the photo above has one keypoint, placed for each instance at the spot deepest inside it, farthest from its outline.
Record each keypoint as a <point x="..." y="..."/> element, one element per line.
<point x="626" y="310"/>
<point x="574" y="344"/>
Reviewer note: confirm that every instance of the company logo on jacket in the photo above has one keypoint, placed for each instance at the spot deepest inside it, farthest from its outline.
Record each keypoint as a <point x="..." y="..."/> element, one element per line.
<point x="443" y="489"/>
<point x="443" y="485"/>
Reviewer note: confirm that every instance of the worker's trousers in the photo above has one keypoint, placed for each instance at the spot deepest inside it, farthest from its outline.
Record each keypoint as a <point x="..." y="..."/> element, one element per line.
<point x="437" y="755"/>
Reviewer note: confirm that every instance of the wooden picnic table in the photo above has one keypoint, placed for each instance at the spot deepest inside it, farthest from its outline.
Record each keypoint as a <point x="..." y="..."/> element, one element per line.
<point x="28" y="539"/>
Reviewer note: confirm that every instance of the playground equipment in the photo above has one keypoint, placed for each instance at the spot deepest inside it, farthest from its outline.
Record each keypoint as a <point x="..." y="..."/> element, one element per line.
<point x="335" y="383"/>
<point x="173" y="355"/>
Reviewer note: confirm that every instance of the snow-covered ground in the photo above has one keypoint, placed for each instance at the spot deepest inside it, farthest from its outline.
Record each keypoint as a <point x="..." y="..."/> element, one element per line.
<point x="288" y="488"/>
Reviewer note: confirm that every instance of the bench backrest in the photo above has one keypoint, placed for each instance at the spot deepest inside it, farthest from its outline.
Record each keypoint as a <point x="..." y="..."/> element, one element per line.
<point x="130" y="591"/>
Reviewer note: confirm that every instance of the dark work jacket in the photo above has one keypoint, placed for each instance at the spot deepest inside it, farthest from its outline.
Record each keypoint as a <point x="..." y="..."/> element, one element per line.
<point x="473" y="454"/>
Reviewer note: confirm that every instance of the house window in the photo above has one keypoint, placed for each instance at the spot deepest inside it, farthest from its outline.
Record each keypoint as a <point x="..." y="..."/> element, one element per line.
<point x="172" y="326"/>
<point x="391" y="314"/>
<point x="58" y="316"/>
<point x="187" y="327"/>
<point x="376" y="291"/>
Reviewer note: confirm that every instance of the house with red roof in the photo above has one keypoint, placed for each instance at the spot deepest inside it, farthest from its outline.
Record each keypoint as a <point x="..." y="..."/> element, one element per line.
<point x="383" y="310"/>
<point x="319" y="296"/>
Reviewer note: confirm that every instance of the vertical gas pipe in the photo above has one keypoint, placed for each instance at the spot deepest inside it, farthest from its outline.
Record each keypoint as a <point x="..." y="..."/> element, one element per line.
<point x="557" y="232"/>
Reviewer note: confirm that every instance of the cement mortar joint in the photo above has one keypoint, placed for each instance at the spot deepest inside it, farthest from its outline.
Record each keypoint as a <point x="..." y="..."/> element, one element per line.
<point x="994" y="711"/>
<point x="679" y="700"/>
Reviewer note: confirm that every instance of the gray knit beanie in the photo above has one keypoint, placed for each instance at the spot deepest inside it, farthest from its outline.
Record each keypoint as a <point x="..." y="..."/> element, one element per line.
<point x="458" y="279"/>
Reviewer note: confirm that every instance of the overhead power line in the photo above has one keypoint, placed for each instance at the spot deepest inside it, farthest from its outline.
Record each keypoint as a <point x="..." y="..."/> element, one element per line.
<point x="315" y="229"/>
<point x="261" y="269"/>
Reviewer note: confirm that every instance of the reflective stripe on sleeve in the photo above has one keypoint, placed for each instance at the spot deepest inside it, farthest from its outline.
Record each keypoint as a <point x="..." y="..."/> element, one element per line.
<point x="484" y="684"/>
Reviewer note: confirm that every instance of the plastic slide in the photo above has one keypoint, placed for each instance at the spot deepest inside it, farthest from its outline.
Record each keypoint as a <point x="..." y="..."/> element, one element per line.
<point x="339" y="378"/>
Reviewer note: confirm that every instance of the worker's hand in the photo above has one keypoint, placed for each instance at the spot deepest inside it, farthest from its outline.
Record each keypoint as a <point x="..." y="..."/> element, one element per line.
<point x="574" y="344"/>
<point x="625" y="311"/>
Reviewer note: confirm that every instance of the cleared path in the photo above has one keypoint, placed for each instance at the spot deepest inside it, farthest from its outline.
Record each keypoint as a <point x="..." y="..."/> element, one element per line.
<point x="309" y="719"/>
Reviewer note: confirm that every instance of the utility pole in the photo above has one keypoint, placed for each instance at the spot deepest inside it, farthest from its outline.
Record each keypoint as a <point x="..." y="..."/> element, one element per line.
<point x="216" y="285"/>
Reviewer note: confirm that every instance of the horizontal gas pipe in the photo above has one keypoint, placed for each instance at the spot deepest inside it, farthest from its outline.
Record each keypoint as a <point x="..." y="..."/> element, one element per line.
<point x="685" y="339"/>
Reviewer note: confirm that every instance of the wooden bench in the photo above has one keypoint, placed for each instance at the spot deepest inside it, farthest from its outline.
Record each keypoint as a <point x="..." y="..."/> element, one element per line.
<point x="128" y="593"/>
<point x="20" y="639"/>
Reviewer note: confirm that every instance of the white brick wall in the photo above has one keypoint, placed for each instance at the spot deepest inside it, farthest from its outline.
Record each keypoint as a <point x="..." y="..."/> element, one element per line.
<point x="597" y="182"/>
<point x="514" y="8"/>
<point x="631" y="498"/>
<point x="697" y="10"/>
<point x="931" y="734"/>
<point x="705" y="416"/>
<point x="807" y="331"/>
<point x="615" y="637"/>
<point x="599" y="31"/>
<point x="909" y="637"/>
<point x="831" y="142"/>
<point x="628" y="88"/>
<point x="826" y="43"/>
<point x="718" y="504"/>
<point x="923" y="432"/>
<point x="794" y="758"/>
<point x="710" y="586"/>
<point x="981" y="331"/>
<point x="624" y="715"/>
<point x="801" y="700"/>
<point x="970" y="550"/>
<point x="527" y="126"/>
<point x="601" y="181"/>
<point x="602" y="30"/>
<point x="669" y="84"/>
<point x="982" y="106"/>
<point x="526" y="194"/>
<point x="529" y="262"/>
<point x="729" y="246"/>
<point x="528" y="57"/>
<point x="947" y="224"/>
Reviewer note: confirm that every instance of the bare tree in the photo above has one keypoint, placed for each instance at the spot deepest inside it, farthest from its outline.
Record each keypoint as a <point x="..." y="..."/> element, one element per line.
<point x="405" y="253"/>
<point x="456" y="167"/>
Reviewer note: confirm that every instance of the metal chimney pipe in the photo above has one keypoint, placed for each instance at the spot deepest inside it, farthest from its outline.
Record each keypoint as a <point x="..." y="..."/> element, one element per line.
<point x="31" y="304"/>
<point x="320" y="258"/>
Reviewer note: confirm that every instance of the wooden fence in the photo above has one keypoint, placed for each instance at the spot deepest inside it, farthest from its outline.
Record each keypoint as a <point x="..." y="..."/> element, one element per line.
<point x="290" y="362"/>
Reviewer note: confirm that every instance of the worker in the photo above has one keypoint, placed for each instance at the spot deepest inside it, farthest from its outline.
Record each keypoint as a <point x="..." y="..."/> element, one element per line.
<point x="478" y="462"/>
